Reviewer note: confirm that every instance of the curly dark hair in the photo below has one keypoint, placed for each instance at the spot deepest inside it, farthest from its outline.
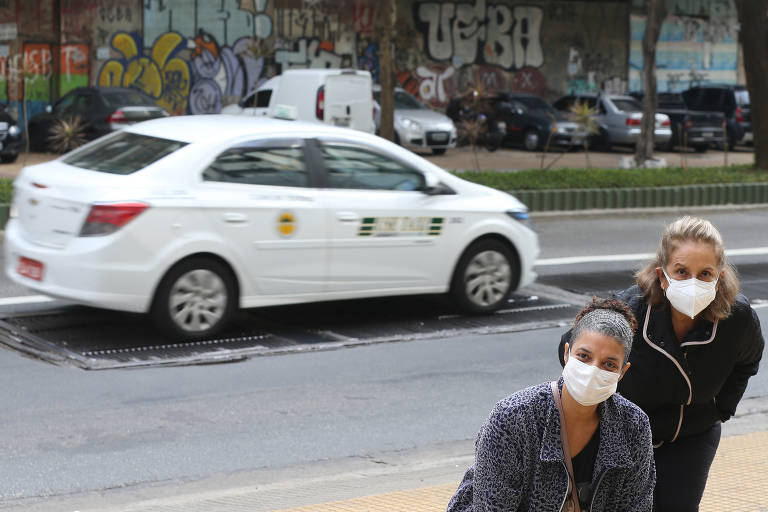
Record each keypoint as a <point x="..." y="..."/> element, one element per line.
<point x="612" y="304"/>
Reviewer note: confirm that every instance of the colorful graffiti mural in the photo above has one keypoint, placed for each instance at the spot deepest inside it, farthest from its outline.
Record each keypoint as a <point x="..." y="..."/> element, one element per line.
<point x="74" y="63"/>
<point x="690" y="51"/>
<point x="476" y="33"/>
<point x="161" y="74"/>
<point x="222" y="73"/>
<point x="196" y="56"/>
<point x="225" y="20"/>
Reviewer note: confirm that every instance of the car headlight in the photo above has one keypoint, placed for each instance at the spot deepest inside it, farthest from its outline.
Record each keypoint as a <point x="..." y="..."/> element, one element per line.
<point x="14" y="130"/>
<point x="522" y="216"/>
<point x="410" y="124"/>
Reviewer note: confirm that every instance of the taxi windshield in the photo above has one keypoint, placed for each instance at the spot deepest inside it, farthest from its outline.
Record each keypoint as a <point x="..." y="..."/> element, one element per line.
<point x="125" y="153"/>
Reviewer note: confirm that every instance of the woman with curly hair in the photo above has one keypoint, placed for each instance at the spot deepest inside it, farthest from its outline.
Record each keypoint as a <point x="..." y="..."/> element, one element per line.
<point x="572" y="444"/>
<point x="698" y="343"/>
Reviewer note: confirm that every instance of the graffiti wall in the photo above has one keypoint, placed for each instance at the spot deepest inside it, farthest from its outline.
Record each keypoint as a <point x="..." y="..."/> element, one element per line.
<point x="698" y="44"/>
<point x="545" y="48"/>
<point x="196" y="56"/>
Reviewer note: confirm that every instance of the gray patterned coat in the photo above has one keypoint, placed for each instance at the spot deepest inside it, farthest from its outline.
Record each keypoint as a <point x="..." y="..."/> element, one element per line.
<point x="519" y="464"/>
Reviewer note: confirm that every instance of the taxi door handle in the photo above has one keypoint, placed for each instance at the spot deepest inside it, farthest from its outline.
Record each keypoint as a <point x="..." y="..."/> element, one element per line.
<point x="235" y="218"/>
<point x="347" y="216"/>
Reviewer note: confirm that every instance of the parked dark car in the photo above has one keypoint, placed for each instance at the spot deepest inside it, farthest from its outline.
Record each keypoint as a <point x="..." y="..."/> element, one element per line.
<point x="11" y="140"/>
<point x="531" y="121"/>
<point x="691" y="128"/>
<point x="732" y="101"/>
<point x="101" y="109"/>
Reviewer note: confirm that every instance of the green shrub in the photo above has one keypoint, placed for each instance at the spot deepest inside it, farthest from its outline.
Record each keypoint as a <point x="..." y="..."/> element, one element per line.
<point x="6" y="190"/>
<point x="613" y="178"/>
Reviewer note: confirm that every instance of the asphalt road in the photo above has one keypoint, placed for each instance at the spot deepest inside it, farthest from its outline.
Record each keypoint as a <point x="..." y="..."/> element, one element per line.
<point x="65" y="431"/>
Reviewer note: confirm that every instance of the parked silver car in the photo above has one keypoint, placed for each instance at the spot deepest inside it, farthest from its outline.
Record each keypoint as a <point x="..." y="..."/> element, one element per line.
<point x="619" y="119"/>
<point x="417" y="127"/>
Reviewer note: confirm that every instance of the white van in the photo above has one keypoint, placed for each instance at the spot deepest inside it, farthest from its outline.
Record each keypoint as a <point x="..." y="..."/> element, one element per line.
<point x="341" y="97"/>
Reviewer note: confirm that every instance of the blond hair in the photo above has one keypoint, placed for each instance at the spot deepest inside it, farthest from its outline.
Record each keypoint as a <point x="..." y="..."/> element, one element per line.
<point x="691" y="229"/>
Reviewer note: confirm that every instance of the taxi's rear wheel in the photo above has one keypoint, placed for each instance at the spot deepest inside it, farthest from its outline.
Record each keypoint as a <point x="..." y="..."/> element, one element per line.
<point x="195" y="299"/>
<point x="484" y="277"/>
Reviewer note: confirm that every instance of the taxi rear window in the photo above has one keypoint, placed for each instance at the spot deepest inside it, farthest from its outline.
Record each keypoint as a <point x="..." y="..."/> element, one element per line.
<point x="124" y="153"/>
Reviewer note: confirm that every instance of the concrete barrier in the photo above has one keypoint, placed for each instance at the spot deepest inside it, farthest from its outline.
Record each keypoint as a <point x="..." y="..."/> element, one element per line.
<point x="651" y="197"/>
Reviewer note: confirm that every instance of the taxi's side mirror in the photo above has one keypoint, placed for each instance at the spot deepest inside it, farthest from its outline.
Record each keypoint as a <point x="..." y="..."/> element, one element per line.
<point x="441" y="189"/>
<point x="433" y="186"/>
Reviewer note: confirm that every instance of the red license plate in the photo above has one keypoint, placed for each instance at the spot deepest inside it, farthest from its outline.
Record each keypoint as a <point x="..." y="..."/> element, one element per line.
<point x="30" y="268"/>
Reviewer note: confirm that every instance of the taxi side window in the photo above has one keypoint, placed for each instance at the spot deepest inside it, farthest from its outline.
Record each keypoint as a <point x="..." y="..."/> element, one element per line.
<point x="357" y="168"/>
<point x="278" y="166"/>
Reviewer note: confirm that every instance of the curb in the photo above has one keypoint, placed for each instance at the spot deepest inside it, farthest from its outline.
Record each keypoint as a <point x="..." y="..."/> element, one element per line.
<point x="643" y="197"/>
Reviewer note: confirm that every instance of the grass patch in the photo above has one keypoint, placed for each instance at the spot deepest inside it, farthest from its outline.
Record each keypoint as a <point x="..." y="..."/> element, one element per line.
<point x="6" y="190"/>
<point x="536" y="179"/>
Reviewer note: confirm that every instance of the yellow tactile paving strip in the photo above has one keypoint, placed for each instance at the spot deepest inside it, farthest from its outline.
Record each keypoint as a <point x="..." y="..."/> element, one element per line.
<point x="737" y="482"/>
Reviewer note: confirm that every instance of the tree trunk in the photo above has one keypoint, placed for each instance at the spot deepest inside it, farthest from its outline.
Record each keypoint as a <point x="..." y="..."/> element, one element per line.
<point x="387" y="17"/>
<point x="657" y="11"/>
<point x="753" y="36"/>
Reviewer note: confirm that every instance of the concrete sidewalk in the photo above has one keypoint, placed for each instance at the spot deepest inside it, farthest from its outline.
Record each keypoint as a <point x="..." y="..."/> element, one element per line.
<point x="418" y="480"/>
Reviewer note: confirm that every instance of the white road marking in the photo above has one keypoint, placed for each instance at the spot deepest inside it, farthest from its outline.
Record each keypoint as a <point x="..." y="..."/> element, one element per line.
<point x="25" y="299"/>
<point x="572" y="260"/>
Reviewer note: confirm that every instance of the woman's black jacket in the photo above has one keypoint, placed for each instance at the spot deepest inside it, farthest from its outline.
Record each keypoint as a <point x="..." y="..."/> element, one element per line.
<point x="686" y="387"/>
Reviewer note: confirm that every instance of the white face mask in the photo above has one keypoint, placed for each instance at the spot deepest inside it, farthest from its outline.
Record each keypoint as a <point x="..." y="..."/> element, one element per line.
<point x="690" y="296"/>
<point x="588" y="384"/>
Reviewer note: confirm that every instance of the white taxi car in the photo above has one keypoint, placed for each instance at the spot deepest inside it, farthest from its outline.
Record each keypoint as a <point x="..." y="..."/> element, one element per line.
<point x="189" y="218"/>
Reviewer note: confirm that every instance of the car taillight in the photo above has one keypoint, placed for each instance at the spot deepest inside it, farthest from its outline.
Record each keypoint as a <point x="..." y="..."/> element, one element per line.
<point x="104" y="219"/>
<point x="634" y="121"/>
<point x="320" y="103"/>
<point x="118" y="116"/>
<point x="739" y="115"/>
<point x="689" y="124"/>
<point x="665" y="122"/>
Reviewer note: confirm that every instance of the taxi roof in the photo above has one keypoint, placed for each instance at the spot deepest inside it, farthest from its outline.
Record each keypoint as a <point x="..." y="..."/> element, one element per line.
<point x="215" y="127"/>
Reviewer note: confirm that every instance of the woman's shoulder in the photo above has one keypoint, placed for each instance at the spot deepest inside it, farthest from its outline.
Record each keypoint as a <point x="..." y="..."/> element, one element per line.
<point x="741" y="309"/>
<point x="523" y="403"/>
<point x="633" y="297"/>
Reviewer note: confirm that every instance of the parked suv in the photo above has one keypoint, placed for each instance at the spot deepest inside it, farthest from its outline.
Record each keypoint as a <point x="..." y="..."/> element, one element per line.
<point x="691" y="128"/>
<point x="732" y="101"/>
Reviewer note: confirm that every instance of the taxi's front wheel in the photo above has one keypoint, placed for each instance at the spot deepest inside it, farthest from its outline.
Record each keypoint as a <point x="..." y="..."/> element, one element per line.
<point x="484" y="277"/>
<point x="195" y="299"/>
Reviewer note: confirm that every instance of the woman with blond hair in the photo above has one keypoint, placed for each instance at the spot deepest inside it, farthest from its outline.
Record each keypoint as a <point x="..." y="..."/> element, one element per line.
<point x="697" y="344"/>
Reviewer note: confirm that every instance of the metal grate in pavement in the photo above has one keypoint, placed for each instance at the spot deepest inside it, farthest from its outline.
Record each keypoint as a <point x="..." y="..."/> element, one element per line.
<point x="92" y="338"/>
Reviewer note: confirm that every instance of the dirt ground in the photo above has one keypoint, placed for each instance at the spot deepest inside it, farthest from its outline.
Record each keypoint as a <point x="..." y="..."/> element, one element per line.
<point x="463" y="158"/>
<point x="507" y="159"/>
